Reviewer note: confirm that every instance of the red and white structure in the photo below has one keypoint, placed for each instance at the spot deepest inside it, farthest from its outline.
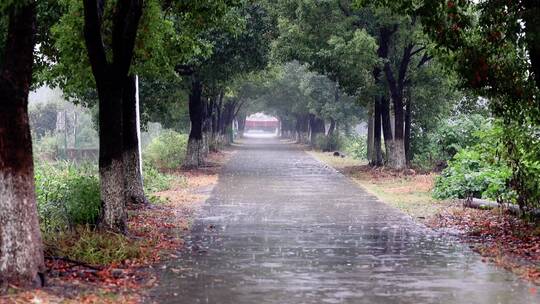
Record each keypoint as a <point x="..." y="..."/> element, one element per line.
<point x="262" y="122"/>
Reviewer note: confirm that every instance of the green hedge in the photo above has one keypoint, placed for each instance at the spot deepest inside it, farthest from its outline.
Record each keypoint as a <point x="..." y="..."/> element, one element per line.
<point x="166" y="151"/>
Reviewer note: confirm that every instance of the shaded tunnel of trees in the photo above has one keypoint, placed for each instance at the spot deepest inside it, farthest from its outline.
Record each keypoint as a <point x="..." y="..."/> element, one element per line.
<point x="399" y="67"/>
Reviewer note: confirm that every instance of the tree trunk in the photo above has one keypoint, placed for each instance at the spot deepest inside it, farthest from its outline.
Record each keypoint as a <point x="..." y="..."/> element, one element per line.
<point x="241" y="125"/>
<point x="302" y="129"/>
<point x="317" y="129"/>
<point x="21" y="252"/>
<point x="110" y="80"/>
<point x="377" y="123"/>
<point x="215" y="119"/>
<point x="332" y="127"/>
<point x="111" y="159"/>
<point x="532" y="34"/>
<point x="228" y="117"/>
<point x="396" y="147"/>
<point x="134" y="190"/>
<point x="206" y="128"/>
<point x="386" y="123"/>
<point x="407" y="139"/>
<point x="370" y="140"/>
<point x="194" y="152"/>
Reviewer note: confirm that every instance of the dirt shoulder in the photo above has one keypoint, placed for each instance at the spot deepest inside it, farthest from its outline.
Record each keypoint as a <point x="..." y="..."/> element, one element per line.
<point x="501" y="238"/>
<point x="155" y="231"/>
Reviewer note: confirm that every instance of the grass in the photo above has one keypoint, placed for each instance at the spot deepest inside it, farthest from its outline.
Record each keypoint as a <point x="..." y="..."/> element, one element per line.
<point x="336" y="162"/>
<point x="93" y="247"/>
<point x="406" y="191"/>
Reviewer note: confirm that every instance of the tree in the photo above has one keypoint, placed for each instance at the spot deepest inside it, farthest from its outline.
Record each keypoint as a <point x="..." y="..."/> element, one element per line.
<point x="21" y="254"/>
<point x="371" y="53"/>
<point x="241" y="48"/>
<point x="111" y="76"/>
<point x="494" y="46"/>
<point x="123" y="38"/>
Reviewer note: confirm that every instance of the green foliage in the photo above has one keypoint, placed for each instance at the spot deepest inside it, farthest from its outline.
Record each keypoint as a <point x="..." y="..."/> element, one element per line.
<point x="355" y="146"/>
<point x="477" y="171"/>
<point x="522" y="154"/>
<point x="67" y="196"/>
<point x="166" y="151"/>
<point x="328" y="143"/>
<point x="451" y="135"/>
<point x="493" y="46"/>
<point x="470" y="175"/>
<point x="155" y="181"/>
<point x="92" y="247"/>
<point x="43" y="118"/>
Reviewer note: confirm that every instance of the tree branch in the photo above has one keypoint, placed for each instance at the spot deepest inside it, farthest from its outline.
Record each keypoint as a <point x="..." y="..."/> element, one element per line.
<point x="418" y="51"/>
<point x="404" y="65"/>
<point x="425" y="59"/>
<point x="185" y="70"/>
<point x="239" y="107"/>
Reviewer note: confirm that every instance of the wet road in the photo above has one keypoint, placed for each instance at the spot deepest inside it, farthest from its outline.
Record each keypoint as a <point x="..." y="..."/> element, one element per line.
<point x="281" y="227"/>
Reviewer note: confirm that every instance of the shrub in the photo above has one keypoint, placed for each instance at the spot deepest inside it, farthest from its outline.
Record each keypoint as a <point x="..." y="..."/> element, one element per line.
<point x="166" y="151"/>
<point x="435" y="147"/>
<point x="155" y="181"/>
<point x="67" y="196"/>
<point x="356" y="146"/>
<point x="328" y="143"/>
<point x="476" y="171"/>
<point x="469" y="174"/>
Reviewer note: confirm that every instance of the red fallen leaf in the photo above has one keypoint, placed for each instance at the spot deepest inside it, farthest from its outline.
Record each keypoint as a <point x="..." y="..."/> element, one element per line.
<point x="532" y="290"/>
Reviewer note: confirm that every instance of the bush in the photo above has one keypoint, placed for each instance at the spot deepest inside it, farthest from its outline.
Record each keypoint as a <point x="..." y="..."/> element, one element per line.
<point x="436" y="147"/>
<point x="155" y="181"/>
<point x="355" y="146"/>
<point x="328" y="143"/>
<point x="67" y="196"/>
<point x="476" y="171"/>
<point x="166" y="151"/>
<point x="470" y="175"/>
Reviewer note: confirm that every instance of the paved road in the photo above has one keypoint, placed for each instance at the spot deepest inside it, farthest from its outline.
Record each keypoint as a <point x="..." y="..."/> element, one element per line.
<point x="281" y="227"/>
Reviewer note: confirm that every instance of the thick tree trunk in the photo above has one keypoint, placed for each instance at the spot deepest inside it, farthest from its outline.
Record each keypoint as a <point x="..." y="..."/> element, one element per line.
<point x="134" y="190"/>
<point x="206" y="128"/>
<point x="215" y="114"/>
<point x="370" y="140"/>
<point x="382" y="104"/>
<point x="317" y="129"/>
<point x="332" y="127"/>
<point x="396" y="147"/>
<point x="532" y="34"/>
<point x="377" y="137"/>
<point x="21" y="252"/>
<point x="194" y="152"/>
<point x="111" y="158"/>
<point x="110" y="80"/>
<point x="228" y="117"/>
<point x="302" y="129"/>
<point x="241" y="125"/>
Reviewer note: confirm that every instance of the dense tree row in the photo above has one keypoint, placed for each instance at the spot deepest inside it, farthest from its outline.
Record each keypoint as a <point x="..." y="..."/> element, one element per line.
<point x="93" y="50"/>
